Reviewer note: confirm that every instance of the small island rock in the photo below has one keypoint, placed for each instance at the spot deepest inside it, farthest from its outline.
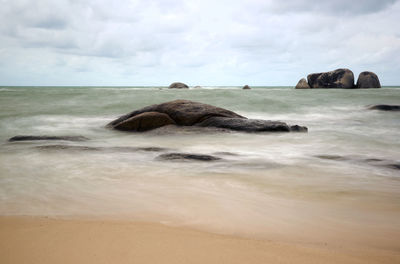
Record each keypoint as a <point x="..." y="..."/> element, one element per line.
<point x="246" y="87"/>
<point x="368" y="79"/>
<point x="302" y="84"/>
<point x="340" y="78"/>
<point x="178" y="85"/>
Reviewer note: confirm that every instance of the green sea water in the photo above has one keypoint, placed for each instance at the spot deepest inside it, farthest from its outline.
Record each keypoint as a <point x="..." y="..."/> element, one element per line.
<point x="341" y="174"/>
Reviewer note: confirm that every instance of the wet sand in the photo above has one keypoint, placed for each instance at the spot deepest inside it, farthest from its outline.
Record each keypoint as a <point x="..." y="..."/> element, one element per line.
<point x="45" y="240"/>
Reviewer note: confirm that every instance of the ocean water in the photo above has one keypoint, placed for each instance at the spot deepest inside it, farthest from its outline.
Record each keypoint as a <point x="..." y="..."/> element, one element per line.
<point x="341" y="177"/>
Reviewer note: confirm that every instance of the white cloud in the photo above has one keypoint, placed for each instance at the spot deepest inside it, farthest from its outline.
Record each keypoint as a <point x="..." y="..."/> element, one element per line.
<point x="259" y="42"/>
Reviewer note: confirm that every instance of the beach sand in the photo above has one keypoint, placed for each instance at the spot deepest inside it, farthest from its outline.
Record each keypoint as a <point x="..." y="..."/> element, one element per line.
<point x="46" y="240"/>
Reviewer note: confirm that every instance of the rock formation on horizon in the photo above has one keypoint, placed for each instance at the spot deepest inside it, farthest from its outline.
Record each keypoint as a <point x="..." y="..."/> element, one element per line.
<point x="178" y="85"/>
<point x="302" y="84"/>
<point x="368" y="79"/>
<point x="246" y="87"/>
<point x="340" y="78"/>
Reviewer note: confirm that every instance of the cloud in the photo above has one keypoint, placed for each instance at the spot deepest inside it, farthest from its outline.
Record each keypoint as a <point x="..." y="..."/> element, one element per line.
<point x="336" y="7"/>
<point x="126" y="42"/>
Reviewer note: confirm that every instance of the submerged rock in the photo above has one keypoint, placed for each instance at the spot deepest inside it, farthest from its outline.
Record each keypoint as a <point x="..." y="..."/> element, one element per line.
<point x="188" y="113"/>
<point x="68" y="147"/>
<point x="332" y="157"/>
<point x="103" y="149"/>
<point x="340" y="78"/>
<point x="246" y="87"/>
<point x="302" y="84"/>
<point x="357" y="159"/>
<point x="384" y="107"/>
<point x="187" y="156"/>
<point x="368" y="80"/>
<point x="178" y="85"/>
<point x="31" y="138"/>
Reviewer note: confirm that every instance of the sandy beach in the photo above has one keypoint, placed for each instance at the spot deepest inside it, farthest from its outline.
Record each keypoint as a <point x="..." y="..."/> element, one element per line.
<point x="45" y="240"/>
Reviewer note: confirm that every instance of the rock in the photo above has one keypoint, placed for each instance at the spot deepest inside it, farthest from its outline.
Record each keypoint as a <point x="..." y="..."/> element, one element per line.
<point x="178" y="85"/>
<point x="188" y="113"/>
<point x="384" y="107"/>
<point x="197" y="87"/>
<point x="246" y="87"/>
<point x="103" y="149"/>
<point x="395" y="166"/>
<point x="187" y="156"/>
<point x="145" y="121"/>
<point x="67" y="147"/>
<point x="29" y="138"/>
<point x="332" y="157"/>
<point x="340" y="78"/>
<point x="297" y="128"/>
<point x="357" y="159"/>
<point x="247" y="125"/>
<point x="368" y="80"/>
<point x="302" y="84"/>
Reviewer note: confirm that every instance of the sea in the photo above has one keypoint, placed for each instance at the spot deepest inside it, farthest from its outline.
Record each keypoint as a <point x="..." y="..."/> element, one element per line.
<point x="340" y="181"/>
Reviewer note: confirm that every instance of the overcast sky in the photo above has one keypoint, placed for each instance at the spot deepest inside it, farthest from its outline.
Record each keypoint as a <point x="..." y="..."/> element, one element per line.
<point x="200" y="42"/>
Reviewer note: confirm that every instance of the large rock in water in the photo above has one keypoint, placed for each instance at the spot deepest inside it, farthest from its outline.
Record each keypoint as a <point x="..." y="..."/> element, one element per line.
<point x="178" y="85"/>
<point x="188" y="113"/>
<point x="368" y="80"/>
<point x="302" y="84"/>
<point x="340" y="78"/>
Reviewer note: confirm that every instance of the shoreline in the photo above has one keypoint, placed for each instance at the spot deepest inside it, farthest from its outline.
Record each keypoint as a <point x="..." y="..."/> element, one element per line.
<point x="34" y="239"/>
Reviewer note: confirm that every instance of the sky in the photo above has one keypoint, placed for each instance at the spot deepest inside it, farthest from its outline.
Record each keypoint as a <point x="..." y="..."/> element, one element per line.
<point x="199" y="42"/>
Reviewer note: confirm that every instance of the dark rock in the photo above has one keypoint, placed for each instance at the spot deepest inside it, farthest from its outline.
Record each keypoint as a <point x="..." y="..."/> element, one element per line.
<point x="103" y="149"/>
<point x="250" y="125"/>
<point x="30" y="138"/>
<point x="247" y="125"/>
<point x="370" y="161"/>
<point x="395" y="166"/>
<point x="178" y="85"/>
<point x="297" y="128"/>
<point x="145" y="121"/>
<point x="368" y="80"/>
<point x="187" y="156"/>
<point x="302" y="84"/>
<point x="246" y="87"/>
<point x="68" y="147"/>
<point x="135" y="149"/>
<point x="188" y="113"/>
<point x="384" y="107"/>
<point x="332" y="157"/>
<point x="340" y="78"/>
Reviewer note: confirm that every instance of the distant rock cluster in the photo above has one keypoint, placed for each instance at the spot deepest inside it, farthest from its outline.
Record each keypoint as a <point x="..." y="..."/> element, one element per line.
<point x="340" y="78"/>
